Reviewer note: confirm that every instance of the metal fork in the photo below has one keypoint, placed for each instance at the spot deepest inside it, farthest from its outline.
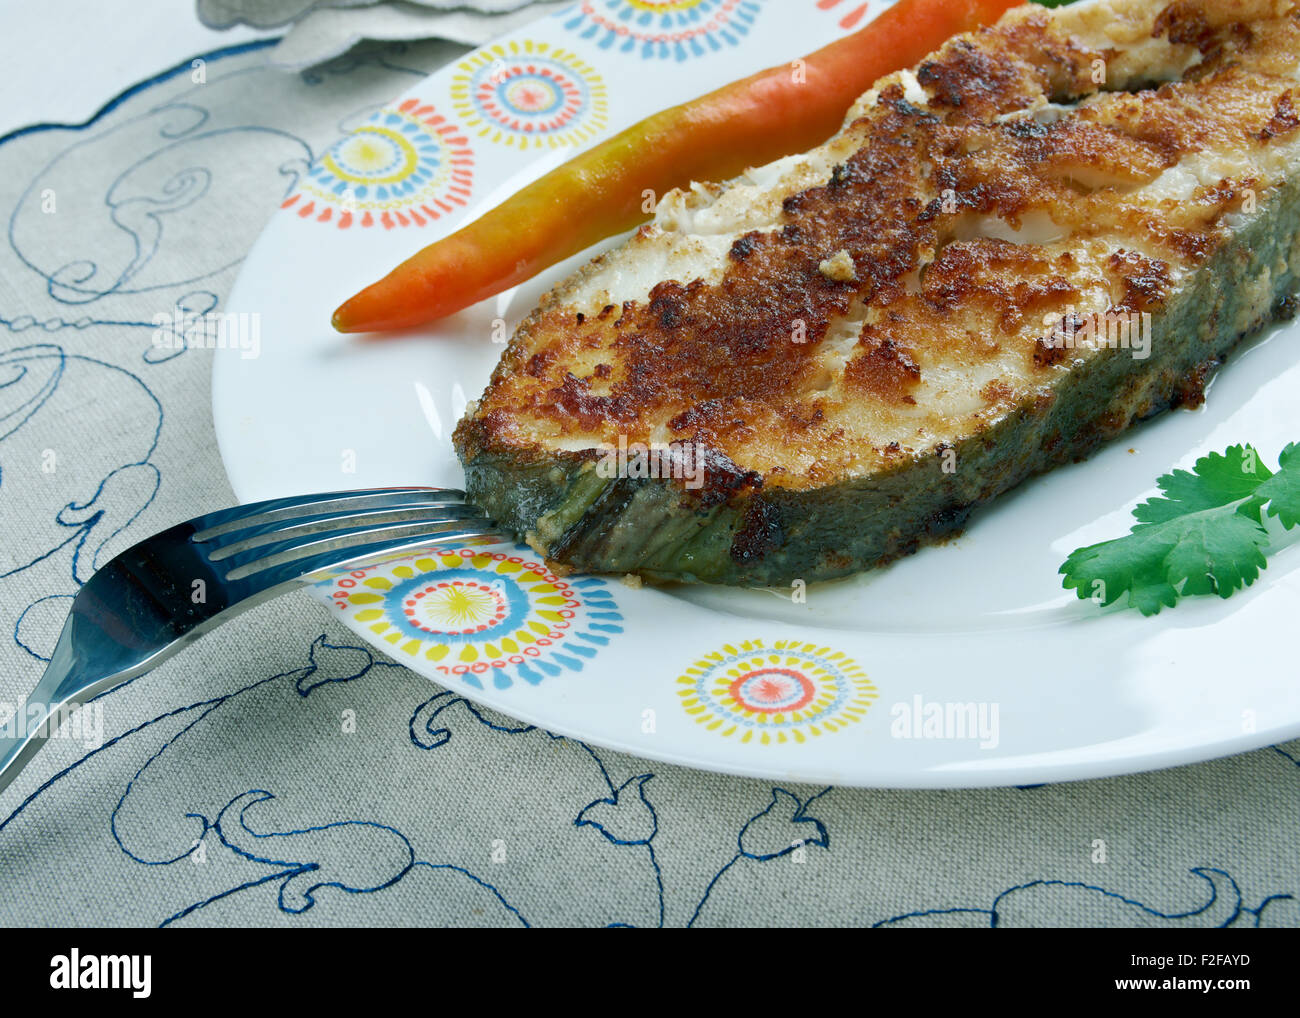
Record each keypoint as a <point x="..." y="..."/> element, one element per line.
<point x="168" y="590"/>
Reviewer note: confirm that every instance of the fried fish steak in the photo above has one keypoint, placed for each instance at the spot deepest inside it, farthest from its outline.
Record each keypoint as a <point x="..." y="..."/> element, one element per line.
<point x="1044" y="233"/>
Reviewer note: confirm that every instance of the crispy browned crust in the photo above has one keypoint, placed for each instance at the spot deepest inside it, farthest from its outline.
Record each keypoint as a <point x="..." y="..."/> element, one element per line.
<point x="889" y="248"/>
<point x="716" y="360"/>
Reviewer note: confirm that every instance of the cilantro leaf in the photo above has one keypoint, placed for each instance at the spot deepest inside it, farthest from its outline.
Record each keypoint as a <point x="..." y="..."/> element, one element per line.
<point x="1203" y="535"/>
<point x="1135" y="564"/>
<point x="1215" y="551"/>
<point x="1283" y="489"/>
<point x="1216" y="480"/>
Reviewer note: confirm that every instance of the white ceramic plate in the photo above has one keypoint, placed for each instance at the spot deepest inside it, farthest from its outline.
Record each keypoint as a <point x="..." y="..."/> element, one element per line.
<point x="836" y="688"/>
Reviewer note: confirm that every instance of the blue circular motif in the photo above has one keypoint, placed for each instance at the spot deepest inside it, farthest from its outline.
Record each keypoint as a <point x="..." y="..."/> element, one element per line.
<point x="393" y="156"/>
<point x="662" y="29"/>
<point x="508" y="605"/>
<point x="479" y="616"/>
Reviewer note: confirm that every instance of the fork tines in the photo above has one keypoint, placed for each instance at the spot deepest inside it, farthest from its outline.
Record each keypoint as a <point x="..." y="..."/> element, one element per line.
<point x="278" y="540"/>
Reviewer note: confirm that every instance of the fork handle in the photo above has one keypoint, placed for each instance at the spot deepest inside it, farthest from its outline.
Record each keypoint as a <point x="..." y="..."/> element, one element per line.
<point x="61" y="690"/>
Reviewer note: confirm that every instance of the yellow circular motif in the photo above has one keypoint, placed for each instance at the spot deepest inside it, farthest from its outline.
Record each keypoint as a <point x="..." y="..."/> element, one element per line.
<point x="373" y="155"/>
<point x="789" y="692"/>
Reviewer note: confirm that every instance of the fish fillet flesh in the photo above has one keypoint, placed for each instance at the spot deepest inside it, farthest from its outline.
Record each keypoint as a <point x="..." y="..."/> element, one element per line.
<point x="1044" y="233"/>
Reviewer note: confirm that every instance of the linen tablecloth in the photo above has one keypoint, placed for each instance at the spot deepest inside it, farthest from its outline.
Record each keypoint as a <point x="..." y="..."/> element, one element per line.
<point x="390" y="800"/>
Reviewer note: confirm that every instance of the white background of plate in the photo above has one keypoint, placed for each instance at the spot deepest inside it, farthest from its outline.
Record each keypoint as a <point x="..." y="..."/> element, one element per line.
<point x="1080" y="693"/>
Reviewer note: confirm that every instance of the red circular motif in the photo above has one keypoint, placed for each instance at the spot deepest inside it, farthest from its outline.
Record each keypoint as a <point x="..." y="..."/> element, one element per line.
<point x="772" y="690"/>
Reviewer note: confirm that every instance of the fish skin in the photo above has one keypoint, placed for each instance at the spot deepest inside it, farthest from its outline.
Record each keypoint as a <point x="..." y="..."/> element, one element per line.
<point x="865" y="343"/>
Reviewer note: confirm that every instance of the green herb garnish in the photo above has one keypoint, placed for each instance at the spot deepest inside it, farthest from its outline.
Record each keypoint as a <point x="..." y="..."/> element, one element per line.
<point x="1205" y="536"/>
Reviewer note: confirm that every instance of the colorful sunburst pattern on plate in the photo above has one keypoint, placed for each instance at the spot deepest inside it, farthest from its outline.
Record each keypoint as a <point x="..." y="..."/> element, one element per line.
<point x="662" y="29"/>
<point x="530" y="94"/>
<point x="408" y="165"/>
<point x="788" y="692"/>
<point x="481" y="616"/>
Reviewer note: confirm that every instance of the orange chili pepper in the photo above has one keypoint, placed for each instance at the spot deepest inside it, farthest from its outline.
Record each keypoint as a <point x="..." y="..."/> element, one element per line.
<point x="600" y="192"/>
